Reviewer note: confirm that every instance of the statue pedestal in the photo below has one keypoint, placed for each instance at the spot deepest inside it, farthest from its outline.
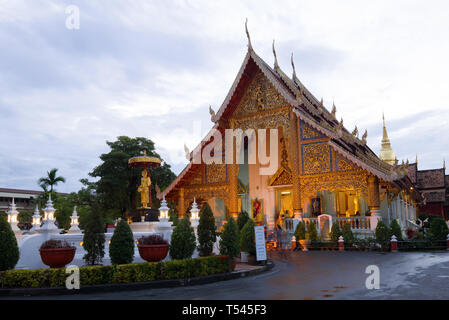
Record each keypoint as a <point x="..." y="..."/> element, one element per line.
<point x="149" y="215"/>
<point x="143" y="226"/>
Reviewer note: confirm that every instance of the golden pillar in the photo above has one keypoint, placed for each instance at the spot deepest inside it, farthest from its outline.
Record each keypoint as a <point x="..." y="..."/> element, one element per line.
<point x="295" y="163"/>
<point x="373" y="194"/>
<point x="233" y="189"/>
<point x="181" y="209"/>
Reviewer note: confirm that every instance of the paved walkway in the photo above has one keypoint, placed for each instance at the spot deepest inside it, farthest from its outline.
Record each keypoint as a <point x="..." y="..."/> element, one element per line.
<point x="319" y="275"/>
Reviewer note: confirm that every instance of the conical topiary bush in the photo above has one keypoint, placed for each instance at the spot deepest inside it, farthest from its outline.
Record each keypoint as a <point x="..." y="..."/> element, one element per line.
<point x="121" y="249"/>
<point x="9" y="250"/>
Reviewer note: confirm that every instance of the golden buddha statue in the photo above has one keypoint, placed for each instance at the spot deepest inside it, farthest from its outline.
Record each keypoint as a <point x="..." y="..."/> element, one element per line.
<point x="144" y="189"/>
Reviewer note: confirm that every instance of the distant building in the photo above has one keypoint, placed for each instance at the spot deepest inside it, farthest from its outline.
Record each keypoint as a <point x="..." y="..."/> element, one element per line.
<point x="25" y="199"/>
<point x="434" y="186"/>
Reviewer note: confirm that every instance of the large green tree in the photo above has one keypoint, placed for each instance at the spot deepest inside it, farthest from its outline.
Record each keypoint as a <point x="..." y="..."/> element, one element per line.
<point x="51" y="180"/>
<point x="117" y="185"/>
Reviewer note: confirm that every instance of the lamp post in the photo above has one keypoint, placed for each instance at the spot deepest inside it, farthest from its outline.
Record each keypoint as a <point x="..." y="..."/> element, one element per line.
<point x="36" y="220"/>
<point x="49" y="218"/>
<point x="13" y="215"/>
<point x="74" y="223"/>
<point x="194" y="214"/>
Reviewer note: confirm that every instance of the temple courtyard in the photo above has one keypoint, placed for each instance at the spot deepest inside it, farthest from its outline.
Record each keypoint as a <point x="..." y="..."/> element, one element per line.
<point x="318" y="275"/>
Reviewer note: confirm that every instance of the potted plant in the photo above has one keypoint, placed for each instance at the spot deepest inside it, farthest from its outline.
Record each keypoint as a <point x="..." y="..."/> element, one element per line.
<point x="300" y="234"/>
<point x="247" y="241"/>
<point x="57" y="253"/>
<point x="152" y="248"/>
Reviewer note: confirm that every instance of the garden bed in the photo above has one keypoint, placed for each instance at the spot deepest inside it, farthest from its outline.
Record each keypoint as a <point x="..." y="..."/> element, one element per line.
<point x="115" y="274"/>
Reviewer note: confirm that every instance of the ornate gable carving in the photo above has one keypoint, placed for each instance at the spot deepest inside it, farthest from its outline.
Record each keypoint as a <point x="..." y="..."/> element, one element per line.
<point x="281" y="177"/>
<point x="216" y="173"/>
<point x="316" y="158"/>
<point x="308" y="133"/>
<point x="259" y="96"/>
<point x="344" y="165"/>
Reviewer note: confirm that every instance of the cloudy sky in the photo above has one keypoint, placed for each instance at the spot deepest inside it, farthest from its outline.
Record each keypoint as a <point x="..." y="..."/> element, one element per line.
<point x="151" y="68"/>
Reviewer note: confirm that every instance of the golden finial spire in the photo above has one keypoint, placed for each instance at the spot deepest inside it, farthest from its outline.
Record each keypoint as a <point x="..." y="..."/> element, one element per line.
<point x="212" y="114"/>
<point x="416" y="160"/>
<point x="365" y="136"/>
<point x="355" y="132"/>
<point x="250" y="47"/>
<point x="276" y="65"/>
<point x="444" y="164"/>
<point x="386" y="152"/>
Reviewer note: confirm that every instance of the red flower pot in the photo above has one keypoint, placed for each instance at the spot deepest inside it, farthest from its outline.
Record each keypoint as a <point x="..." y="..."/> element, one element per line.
<point x="57" y="257"/>
<point x="153" y="252"/>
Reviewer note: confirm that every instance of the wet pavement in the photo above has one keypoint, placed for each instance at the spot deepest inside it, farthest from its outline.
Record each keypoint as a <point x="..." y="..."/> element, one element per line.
<point x="318" y="275"/>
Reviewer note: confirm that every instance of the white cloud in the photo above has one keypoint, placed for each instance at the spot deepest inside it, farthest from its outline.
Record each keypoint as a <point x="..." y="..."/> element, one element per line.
<point x="151" y="68"/>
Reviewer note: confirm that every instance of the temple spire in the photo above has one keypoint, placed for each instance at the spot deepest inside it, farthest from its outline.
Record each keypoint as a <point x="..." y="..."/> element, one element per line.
<point x="386" y="152"/>
<point x="250" y="47"/>
<point x="294" y="70"/>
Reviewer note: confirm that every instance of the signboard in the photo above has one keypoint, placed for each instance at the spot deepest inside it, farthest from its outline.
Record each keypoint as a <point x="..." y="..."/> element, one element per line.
<point x="261" y="249"/>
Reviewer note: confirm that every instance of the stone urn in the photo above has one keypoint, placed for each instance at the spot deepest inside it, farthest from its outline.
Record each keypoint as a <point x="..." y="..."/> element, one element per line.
<point x="153" y="252"/>
<point x="57" y="257"/>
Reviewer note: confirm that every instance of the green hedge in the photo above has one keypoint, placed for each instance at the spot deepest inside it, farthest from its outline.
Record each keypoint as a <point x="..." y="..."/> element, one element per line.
<point x="124" y="273"/>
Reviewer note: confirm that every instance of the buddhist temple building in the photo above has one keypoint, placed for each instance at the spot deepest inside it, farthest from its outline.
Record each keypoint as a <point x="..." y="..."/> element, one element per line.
<point x="324" y="173"/>
<point x="433" y="184"/>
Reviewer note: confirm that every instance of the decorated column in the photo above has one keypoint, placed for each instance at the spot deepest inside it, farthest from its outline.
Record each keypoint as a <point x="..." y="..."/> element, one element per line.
<point x="294" y="165"/>
<point x="233" y="189"/>
<point x="181" y="209"/>
<point x="374" y="200"/>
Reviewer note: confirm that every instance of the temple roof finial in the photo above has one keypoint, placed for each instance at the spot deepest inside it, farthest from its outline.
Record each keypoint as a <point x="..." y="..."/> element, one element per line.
<point x="276" y="65"/>
<point x="250" y="47"/>
<point x="294" y="70"/>
<point x="334" y="109"/>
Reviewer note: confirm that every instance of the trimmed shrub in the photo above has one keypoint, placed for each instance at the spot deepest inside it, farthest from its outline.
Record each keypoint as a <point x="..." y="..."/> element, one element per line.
<point x="206" y="232"/>
<point x="347" y="234"/>
<point x="124" y="273"/>
<point x="335" y="232"/>
<point x="9" y="250"/>
<point x="300" y="231"/>
<point x="121" y="249"/>
<point x="173" y="217"/>
<point x="230" y="240"/>
<point x="247" y="238"/>
<point x="438" y="229"/>
<point x="395" y="229"/>
<point x="183" y="241"/>
<point x="242" y="219"/>
<point x="312" y="234"/>
<point x="93" y="239"/>
<point x="383" y="235"/>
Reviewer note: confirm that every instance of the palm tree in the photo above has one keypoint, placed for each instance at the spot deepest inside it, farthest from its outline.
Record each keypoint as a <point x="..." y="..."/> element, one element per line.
<point x="50" y="180"/>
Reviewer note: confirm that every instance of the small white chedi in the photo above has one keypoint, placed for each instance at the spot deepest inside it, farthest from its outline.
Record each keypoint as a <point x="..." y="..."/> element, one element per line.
<point x="36" y="220"/>
<point x="13" y="215"/>
<point x="74" y="223"/>
<point x="49" y="225"/>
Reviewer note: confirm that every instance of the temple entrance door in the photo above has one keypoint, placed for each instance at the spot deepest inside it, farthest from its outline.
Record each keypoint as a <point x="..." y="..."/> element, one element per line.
<point x="284" y="206"/>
